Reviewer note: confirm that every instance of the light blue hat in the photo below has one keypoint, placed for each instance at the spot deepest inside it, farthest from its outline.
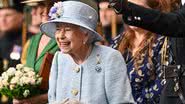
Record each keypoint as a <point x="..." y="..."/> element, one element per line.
<point x="73" y="12"/>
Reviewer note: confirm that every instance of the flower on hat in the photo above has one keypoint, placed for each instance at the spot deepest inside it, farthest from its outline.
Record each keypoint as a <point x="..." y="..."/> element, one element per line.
<point x="56" y="11"/>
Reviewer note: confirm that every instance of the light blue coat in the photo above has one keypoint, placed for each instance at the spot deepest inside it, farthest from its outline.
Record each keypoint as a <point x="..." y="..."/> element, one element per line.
<point x="101" y="79"/>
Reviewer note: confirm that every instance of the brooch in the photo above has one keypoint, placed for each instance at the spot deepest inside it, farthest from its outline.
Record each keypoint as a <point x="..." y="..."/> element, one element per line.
<point x="98" y="68"/>
<point x="98" y="62"/>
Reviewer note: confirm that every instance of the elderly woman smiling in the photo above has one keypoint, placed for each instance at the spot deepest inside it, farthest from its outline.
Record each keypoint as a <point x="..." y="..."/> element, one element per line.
<point x="82" y="70"/>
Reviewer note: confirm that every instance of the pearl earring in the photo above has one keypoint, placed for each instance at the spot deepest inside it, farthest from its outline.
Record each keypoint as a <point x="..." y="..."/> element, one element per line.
<point x="84" y="42"/>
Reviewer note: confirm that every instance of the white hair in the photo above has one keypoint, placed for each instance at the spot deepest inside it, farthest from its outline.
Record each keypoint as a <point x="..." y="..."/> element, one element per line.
<point x="89" y="33"/>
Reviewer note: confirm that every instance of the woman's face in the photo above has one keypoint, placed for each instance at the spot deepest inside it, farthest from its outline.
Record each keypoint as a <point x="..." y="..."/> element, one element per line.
<point x="36" y="14"/>
<point x="69" y="38"/>
<point x="45" y="16"/>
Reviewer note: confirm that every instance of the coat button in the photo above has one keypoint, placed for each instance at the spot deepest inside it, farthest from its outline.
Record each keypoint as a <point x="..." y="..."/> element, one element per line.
<point x="135" y="17"/>
<point x="139" y="18"/>
<point x="74" y="92"/>
<point x="77" y="69"/>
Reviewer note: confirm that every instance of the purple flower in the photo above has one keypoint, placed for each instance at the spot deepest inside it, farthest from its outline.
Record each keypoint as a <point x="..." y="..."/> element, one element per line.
<point x="52" y="11"/>
<point x="56" y="11"/>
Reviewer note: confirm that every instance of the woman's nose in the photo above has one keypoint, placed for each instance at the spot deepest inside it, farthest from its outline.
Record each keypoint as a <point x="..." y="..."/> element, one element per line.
<point x="61" y="35"/>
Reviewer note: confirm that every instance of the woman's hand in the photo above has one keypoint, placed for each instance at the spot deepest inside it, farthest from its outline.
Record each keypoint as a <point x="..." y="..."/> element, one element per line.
<point x="70" y="101"/>
<point x="40" y="99"/>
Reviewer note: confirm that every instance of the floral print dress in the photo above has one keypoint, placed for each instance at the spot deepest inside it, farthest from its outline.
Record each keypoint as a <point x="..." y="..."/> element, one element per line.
<point x="144" y="89"/>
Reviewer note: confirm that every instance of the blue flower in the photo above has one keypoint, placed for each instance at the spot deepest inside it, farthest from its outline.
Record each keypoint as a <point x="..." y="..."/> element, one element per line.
<point x="53" y="10"/>
<point x="56" y="11"/>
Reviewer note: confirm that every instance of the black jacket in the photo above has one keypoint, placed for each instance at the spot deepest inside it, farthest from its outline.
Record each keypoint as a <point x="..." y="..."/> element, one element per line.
<point x="169" y="24"/>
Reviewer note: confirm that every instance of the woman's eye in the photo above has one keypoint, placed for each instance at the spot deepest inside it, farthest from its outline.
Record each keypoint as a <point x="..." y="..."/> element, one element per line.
<point x="67" y="29"/>
<point x="58" y="29"/>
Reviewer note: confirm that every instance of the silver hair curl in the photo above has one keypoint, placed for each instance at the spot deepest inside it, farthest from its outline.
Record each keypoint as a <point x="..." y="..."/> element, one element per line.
<point x="89" y="33"/>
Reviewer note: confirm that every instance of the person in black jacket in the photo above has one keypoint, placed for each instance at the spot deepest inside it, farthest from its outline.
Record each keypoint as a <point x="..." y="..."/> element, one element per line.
<point x="169" y="24"/>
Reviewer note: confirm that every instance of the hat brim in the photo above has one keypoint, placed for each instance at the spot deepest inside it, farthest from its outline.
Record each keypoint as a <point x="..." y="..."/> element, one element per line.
<point x="31" y="1"/>
<point x="49" y="28"/>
